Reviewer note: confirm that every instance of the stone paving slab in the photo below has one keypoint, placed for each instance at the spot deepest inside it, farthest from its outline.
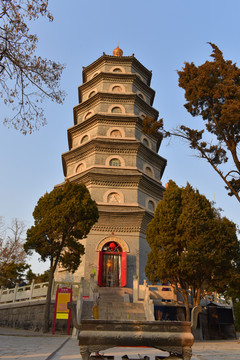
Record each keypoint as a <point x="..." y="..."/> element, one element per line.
<point x="219" y="350"/>
<point x="19" y="344"/>
<point x="28" y="347"/>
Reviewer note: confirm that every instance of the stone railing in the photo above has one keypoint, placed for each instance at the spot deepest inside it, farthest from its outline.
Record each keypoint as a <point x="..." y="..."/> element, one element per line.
<point x="148" y="305"/>
<point x="157" y="292"/>
<point x="23" y="293"/>
<point x="163" y="293"/>
<point x="34" y="291"/>
<point x="150" y="294"/>
<point x="23" y="306"/>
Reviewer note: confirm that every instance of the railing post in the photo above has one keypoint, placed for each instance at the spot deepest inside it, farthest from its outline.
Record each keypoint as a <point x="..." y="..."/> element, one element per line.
<point x="1" y="291"/>
<point x="147" y="293"/>
<point x="144" y="286"/>
<point x="78" y="307"/>
<point x="15" y="293"/>
<point x="135" y="289"/>
<point x="31" y="290"/>
<point x="151" y="310"/>
<point x="52" y="290"/>
<point x="148" y="304"/>
<point x="81" y="287"/>
<point x="91" y="288"/>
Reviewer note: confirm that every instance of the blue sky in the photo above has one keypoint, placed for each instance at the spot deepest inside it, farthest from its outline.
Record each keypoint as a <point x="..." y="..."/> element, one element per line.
<point x="162" y="35"/>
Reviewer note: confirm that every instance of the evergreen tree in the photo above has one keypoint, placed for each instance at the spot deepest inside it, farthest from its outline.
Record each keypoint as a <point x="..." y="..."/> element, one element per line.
<point x="212" y="90"/>
<point x="37" y="278"/>
<point x="192" y="246"/>
<point x="61" y="218"/>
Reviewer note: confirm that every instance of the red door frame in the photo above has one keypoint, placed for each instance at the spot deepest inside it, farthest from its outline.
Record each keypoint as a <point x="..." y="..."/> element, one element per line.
<point x="123" y="268"/>
<point x="100" y="260"/>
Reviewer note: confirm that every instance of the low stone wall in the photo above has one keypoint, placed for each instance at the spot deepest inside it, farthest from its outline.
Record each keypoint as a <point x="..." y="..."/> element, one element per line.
<point x="29" y="316"/>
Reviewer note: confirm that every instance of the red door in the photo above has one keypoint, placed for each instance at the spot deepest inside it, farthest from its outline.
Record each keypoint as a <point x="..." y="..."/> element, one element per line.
<point x="100" y="256"/>
<point x="124" y="269"/>
<point x="112" y="266"/>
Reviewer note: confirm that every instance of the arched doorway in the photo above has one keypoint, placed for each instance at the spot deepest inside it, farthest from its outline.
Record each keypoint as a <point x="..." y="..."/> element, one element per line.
<point x="112" y="265"/>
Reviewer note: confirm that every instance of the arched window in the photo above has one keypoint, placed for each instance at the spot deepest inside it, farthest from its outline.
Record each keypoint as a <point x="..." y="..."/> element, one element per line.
<point x="80" y="168"/>
<point x="114" y="198"/>
<point x="116" y="110"/>
<point x="95" y="75"/>
<point x="115" y="133"/>
<point x="141" y="96"/>
<point x="112" y="246"/>
<point x="91" y="94"/>
<point x="146" y="142"/>
<point x="148" y="171"/>
<point x="115" y="162"/>
<point x="84" y="139"/>
<point x="142" y="116"/>
<point x="117" y="70"/>
<point x="117" y="88"/>
<point x="151" y="205"/>
<point x="88" y="115"/>
<point x="139" y="76"/>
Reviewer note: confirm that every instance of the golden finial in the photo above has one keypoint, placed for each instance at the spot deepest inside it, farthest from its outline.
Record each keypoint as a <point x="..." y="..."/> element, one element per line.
<point x="117" y="51"/>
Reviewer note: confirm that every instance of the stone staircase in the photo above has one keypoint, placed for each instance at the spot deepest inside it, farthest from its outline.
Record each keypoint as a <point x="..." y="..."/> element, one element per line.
<point x="114" y="304"/>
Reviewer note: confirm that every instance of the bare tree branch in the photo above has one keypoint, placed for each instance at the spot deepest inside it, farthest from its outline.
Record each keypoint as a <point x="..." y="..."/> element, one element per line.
<point x="25" y="79"/>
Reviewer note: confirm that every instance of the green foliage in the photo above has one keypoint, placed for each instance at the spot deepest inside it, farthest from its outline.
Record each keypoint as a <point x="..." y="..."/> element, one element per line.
<point x="12" y="273"/>
<point x="212" y="91"/>
<point x="61" y="218"/>
<point x="236" y="307"/>
<point x="192" y="246"/>
<point x="38" y="278"/>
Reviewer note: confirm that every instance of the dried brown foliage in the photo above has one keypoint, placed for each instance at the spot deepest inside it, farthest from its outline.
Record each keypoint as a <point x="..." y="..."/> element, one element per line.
<point x="25" y="79"/>
<point x="212" y="90"/>
<point x="151" y="126"/>
<point x="12" y="254"/>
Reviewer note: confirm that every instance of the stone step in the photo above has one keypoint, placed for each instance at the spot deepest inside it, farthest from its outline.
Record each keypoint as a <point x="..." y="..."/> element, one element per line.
<point x="113" y="313"/>
<point x="121" y="311"/>
<point x="111" y="298"/>
<point x="118" y="292"/>
<point x="114" y="295"/>
<point x="115" y="289"/>
<point x="113" y="305"/>
<point x="122" y="317"/>
<point x="126" y="306"/>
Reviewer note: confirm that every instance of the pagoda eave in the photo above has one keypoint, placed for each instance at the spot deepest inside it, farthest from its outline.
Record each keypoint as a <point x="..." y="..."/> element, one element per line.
<point x="117" y="60"/>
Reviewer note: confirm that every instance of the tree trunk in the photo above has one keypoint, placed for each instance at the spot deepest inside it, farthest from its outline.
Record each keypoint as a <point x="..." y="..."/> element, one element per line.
<point x="197" y="297"/>
<point x="186" y="303"/>
<point x="48" y="302"/>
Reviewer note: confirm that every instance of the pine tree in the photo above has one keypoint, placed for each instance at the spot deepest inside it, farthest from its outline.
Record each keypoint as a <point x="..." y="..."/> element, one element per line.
<point x="212" y="91"/>
<point x="61" y="218"/>
<point x="192" y="246"/>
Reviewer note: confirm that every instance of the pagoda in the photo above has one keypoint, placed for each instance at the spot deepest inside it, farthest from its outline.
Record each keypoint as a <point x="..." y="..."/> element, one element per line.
<point x="118" y="163"/>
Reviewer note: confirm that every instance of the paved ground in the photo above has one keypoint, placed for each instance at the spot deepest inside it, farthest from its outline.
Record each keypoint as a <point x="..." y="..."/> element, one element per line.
<point x="20" y="344"/>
